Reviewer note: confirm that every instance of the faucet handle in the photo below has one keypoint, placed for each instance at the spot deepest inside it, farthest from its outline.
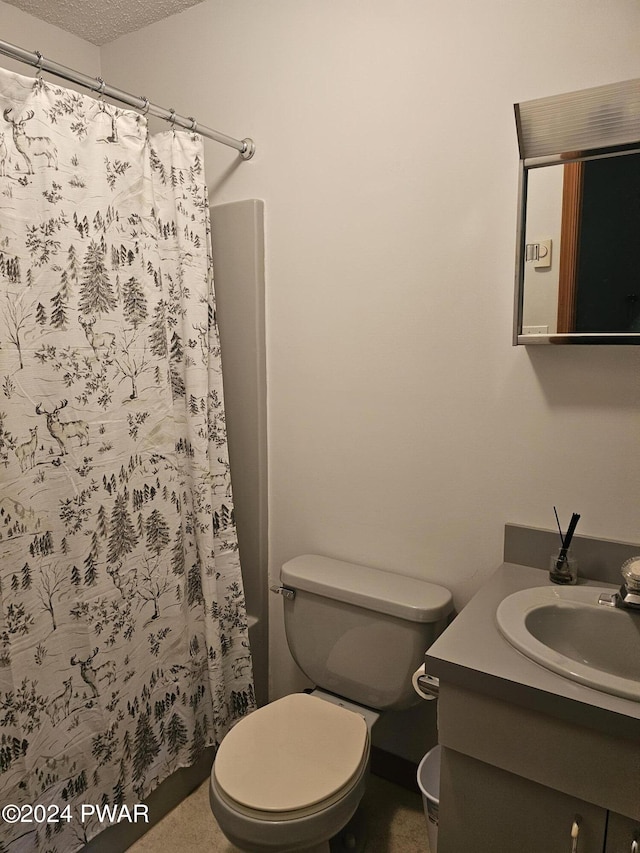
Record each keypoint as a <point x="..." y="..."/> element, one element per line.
<point x="631" y="573"/>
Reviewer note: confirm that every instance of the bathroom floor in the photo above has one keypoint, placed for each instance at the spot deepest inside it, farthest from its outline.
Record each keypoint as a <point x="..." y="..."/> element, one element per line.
<point x="394" y="818"/>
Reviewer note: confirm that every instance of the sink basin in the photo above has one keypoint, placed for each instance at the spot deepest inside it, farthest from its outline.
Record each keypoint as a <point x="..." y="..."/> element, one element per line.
<point x="565" y="630"/>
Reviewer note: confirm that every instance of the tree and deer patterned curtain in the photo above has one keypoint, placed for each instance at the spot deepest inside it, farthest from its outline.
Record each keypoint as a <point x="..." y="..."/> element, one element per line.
<point x="123" y="632"/>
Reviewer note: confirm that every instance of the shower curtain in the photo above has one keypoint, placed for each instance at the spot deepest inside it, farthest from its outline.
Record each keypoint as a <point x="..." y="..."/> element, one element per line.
<point x="123" y="633"/>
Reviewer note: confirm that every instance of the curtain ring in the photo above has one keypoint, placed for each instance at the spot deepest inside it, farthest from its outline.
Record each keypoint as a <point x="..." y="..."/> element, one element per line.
<point x="145" y="109"/>
<point x="39" y="64"/>
<point x="194" y="124"/>
<point x="172" y="118"/>
<point x="101" y="88"/>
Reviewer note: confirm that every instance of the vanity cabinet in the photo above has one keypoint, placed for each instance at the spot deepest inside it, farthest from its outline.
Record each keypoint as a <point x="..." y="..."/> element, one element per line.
<point x="513" y="778"/>
<point x="622" y="832"/>
<point x="524" y="751"/>
<point x="488" y="810"/>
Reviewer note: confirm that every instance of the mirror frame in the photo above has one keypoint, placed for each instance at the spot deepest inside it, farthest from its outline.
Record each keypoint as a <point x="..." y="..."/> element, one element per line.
<point x="574" y="127"/>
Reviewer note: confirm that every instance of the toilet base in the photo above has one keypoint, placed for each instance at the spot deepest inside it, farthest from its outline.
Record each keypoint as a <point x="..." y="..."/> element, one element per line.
<point x="353" y="837"/>
<point x="256" y="836"/>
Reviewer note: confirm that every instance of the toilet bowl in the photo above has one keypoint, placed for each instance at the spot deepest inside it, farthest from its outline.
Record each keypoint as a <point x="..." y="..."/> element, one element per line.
<point x="289" y="777"/>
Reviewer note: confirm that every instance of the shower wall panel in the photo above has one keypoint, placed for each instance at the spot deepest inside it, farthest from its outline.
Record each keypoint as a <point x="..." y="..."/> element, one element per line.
<point x="238" y="264"/>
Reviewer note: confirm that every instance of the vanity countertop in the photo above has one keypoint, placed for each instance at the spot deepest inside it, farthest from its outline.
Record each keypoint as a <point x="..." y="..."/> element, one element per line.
<point x="473" y="654"/>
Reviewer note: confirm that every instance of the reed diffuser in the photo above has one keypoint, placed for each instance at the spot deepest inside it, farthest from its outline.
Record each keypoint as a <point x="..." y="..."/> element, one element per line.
<point x="563" y="567"/>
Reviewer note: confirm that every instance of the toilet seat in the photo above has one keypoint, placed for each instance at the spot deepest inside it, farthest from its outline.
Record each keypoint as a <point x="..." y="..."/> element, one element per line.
<point x="291" y="758"/>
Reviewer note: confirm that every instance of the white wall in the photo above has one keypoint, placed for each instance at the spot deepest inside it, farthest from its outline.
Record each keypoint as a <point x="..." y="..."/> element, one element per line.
<point x="404" y="430"/>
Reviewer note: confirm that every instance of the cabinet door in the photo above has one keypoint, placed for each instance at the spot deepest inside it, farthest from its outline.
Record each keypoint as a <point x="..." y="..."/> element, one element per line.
<point x="621" y="833"/>
<point x="487" y="810"/>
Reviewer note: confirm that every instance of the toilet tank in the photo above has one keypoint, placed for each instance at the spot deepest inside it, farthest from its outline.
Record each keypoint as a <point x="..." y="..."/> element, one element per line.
<point x="360" y="632"/>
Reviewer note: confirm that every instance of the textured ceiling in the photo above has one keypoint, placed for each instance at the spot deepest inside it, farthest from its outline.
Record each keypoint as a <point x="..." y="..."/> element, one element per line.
<point x="100" y="21"/>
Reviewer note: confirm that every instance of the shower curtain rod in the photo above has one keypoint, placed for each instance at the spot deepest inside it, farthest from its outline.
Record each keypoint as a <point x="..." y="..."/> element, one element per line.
<point x="246" y="147"/>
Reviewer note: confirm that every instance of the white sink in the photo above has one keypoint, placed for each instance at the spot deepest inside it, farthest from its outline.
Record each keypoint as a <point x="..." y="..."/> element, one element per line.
<point x="565" y="630"/>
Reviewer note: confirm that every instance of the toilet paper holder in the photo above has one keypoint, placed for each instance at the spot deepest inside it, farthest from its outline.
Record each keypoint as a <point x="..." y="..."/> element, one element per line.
<point x="426" y="686"/>
<point x="429" y="685"/>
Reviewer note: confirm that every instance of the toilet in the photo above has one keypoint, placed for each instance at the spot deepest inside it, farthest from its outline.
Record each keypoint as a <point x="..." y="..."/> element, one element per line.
<point x="289" y="777"/>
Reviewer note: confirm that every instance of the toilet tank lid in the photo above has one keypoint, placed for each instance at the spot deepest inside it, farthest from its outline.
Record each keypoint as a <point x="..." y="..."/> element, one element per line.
<point x="385" y="592"/>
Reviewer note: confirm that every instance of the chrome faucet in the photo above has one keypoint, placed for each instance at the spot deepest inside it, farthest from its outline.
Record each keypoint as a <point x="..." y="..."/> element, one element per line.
<point x="628" y="596"/>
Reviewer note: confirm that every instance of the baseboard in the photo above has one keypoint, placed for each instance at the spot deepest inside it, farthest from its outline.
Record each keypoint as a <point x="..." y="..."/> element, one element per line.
<point x="394" y="768"/>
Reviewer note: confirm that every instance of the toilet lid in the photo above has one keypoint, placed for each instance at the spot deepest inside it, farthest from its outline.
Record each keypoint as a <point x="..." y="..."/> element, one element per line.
<point x="291" y="754"/>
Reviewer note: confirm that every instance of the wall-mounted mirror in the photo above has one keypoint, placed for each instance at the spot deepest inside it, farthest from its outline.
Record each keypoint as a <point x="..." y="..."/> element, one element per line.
<point x="578" y="248"/>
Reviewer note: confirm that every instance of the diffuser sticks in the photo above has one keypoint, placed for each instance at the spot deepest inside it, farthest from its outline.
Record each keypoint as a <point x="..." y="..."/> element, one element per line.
<point x="563" y="568"/>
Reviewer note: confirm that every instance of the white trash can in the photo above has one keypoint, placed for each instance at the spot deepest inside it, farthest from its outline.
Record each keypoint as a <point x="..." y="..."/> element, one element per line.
<point x="429" y="784"/>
